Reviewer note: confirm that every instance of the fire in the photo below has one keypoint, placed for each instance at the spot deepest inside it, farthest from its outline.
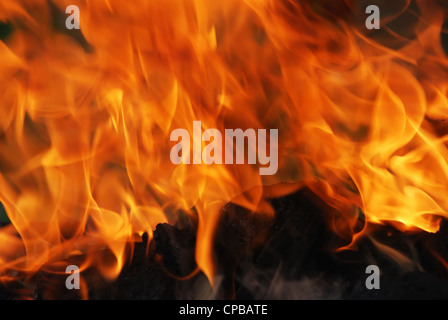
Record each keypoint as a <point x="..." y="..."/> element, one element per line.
<point x="86" y="118"/>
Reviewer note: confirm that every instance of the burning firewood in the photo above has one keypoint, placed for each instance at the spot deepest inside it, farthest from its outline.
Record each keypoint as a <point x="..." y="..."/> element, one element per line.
<point x="223" y="149"/>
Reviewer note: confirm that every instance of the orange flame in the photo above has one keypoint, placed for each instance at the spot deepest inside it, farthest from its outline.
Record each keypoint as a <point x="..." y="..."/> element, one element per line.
<point x="86" y="117"/>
